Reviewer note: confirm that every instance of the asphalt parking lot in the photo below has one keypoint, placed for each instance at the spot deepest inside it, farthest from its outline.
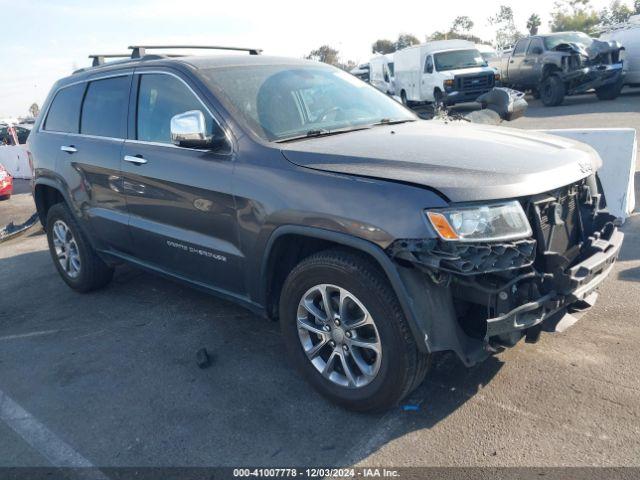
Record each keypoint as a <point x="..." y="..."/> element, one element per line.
<point x="110" y="378"/>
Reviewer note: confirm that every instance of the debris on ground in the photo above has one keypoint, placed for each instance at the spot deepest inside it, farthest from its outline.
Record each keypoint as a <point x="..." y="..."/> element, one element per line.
<point x="202" y="358"/>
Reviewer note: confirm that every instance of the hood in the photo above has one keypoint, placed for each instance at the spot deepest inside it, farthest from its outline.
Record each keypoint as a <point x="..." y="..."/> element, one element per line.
<point x="464" y="162"/>
<point x="593" y="51"/>
<point x="466" y="71"/>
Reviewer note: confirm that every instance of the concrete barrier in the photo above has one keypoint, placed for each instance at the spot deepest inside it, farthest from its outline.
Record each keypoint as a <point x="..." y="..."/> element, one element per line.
<point x="15" y="160"/>
<point x="618" y="149"/>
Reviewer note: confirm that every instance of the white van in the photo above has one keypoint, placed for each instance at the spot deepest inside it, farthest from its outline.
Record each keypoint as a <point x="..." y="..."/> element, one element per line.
<point x="381" y="73"/>
<point x="628" y="34"/>
<point x="444" y="71"/>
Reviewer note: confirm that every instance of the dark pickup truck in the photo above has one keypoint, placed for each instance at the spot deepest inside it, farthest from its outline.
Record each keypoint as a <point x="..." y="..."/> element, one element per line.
<point x="564" y="63"/>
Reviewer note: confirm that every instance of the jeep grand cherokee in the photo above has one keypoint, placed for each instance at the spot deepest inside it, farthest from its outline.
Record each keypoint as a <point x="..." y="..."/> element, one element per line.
<point x="306" y="195"/>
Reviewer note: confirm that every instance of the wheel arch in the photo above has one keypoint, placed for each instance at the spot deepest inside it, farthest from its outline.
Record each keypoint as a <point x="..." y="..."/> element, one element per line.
<point x="47" y="193"/>
<point x="282" y="254"/>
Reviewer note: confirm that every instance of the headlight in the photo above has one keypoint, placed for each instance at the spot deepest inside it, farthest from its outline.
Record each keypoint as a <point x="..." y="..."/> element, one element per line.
<point x="502" y="221"/>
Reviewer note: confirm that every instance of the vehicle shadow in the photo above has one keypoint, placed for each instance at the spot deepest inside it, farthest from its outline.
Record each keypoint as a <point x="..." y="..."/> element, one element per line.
<point x="576" y="105"/>
<point x="135" y="343"/>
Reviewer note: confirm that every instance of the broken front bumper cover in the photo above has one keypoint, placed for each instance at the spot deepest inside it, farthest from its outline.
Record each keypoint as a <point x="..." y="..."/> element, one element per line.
<point x="595" y="76"/>
<point x="583" y="279"/>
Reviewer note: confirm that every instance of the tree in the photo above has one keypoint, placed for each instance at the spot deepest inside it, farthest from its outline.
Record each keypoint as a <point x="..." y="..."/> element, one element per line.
<point x="618" y="12"/>
<point x="462" y="24"/>
<point x="460" y="30"/>
<point x="506" y="32"/>
<point x="574" y="15"/>
<point x="34" y="110"/>
<point x="438" y="35"/>
<point x="406" y="40"/>
<point x="325" y="54"/>
<point x="533" y="23"/>
<point x="383" y="46"/>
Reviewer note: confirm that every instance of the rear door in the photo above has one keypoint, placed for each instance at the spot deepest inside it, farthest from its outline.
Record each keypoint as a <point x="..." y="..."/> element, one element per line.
<point x="182" y="211"/>
<point x="516" y="61"/>
<point x="91" y="160"/>
<point x="531" y="67"/>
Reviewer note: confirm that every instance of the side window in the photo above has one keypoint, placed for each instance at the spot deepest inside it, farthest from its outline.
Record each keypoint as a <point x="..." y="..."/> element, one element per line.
<point x="520" y="47"/>
<point x="160" y="97"/>
<point x="64" y="113"/>
<point x="535" y="47"/>
<point x="428" y="65"/>
<point x="104" y="110"/>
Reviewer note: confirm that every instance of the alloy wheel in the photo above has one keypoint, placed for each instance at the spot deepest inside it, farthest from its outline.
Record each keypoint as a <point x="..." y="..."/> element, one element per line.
<point x="339" y="336"/>
<point x="66" y="249"/>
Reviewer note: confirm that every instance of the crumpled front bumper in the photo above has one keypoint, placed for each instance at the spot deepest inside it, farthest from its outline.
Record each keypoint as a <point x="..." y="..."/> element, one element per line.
<point x="583" y="279"/>
<point x="595" y="76"/>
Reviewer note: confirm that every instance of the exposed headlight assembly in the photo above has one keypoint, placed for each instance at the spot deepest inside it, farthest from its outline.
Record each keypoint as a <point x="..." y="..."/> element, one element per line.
<point x="484" y="223"/>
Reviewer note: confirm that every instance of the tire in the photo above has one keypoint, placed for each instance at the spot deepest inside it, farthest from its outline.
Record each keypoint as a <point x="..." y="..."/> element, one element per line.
<point x="401" y="367"/>
<point x="76" y="261"/>
<point x="4" y="197"/>
<point x="610" y="92"/>
<point x="552" y="91"/>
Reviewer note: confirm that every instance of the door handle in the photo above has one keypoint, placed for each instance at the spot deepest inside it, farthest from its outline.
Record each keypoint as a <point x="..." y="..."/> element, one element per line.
<point x="68" y="148"/>
<point x="138" y="160"/>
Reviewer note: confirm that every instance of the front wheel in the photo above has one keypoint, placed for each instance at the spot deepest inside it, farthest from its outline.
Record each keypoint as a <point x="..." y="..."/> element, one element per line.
<point x="346" y="332"/>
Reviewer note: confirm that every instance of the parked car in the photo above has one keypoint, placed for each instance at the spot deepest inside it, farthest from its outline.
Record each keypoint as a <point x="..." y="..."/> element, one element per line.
<point x="628" y="35"/>
<point x="490" y="55"/>
<point x="444" y="72"/>
<point x="565" y="63"/>
<point x="381" y="73"/>
<point x="306" y="195"/>
<point x="6" y="184"/>
<point x="361" y="71"/>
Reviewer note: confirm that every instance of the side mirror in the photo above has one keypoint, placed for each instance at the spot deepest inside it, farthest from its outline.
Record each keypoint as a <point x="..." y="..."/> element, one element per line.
<point x="189" y="129"/>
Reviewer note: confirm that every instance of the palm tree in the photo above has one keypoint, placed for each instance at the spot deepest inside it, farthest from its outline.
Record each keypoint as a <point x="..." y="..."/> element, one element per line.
<point x="533" y="23"/>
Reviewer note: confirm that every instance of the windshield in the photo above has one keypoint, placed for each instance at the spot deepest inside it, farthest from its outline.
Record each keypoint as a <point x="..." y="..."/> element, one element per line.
<point x="457" y="59"/>
<point x="283" y="101"/>
<point x="488" y="56"/>
<point x="553" y="41"/>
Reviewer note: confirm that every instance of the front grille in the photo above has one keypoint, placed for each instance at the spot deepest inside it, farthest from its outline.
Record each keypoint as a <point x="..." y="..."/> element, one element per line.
<point x="474" y="82"/>
<point x="555" y="218"/>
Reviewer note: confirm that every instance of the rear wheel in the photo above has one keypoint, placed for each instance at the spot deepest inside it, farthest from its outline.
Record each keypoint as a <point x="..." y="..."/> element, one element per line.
<point x="346" y="333"/>
<point x="74" y="258"/>
<point x="552" y="91"/>
<point x="610" y="92"/>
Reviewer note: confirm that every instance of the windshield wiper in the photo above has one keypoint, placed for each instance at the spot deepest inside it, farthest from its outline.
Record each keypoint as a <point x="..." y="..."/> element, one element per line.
<point x="321" y="132"/>
<point x="388" y="121"/>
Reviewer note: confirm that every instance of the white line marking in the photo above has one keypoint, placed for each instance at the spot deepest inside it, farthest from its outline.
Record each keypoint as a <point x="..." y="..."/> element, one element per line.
<point x="31" y="334"/>
<point x="43" y="440"/>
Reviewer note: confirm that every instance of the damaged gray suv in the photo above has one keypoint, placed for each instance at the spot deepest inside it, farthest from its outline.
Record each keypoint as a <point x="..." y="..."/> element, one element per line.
<point x="298" y="191"/>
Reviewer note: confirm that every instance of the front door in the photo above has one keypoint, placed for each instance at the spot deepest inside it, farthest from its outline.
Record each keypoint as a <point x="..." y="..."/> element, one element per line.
<point x="182" y="211"/>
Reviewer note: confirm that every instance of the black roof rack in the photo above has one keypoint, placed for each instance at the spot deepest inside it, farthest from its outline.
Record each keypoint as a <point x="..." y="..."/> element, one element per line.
<point x="139" y="51"/>
<point x="99" y="58"/>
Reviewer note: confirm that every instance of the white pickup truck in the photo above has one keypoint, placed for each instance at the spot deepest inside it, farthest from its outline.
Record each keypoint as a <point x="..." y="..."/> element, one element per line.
<point x="444" y="71"/>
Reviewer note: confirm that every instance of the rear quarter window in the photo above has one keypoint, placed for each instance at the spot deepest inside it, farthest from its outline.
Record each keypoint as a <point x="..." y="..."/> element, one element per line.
<point x="64" y="113"/>
<point x="104" y="111"/>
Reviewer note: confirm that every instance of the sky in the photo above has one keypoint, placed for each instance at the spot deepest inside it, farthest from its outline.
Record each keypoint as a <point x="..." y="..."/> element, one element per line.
<point x="43" y="41"/>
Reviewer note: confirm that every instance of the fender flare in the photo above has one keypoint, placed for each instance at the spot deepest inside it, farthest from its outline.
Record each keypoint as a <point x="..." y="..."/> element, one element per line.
<point x="365" y="246"/>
